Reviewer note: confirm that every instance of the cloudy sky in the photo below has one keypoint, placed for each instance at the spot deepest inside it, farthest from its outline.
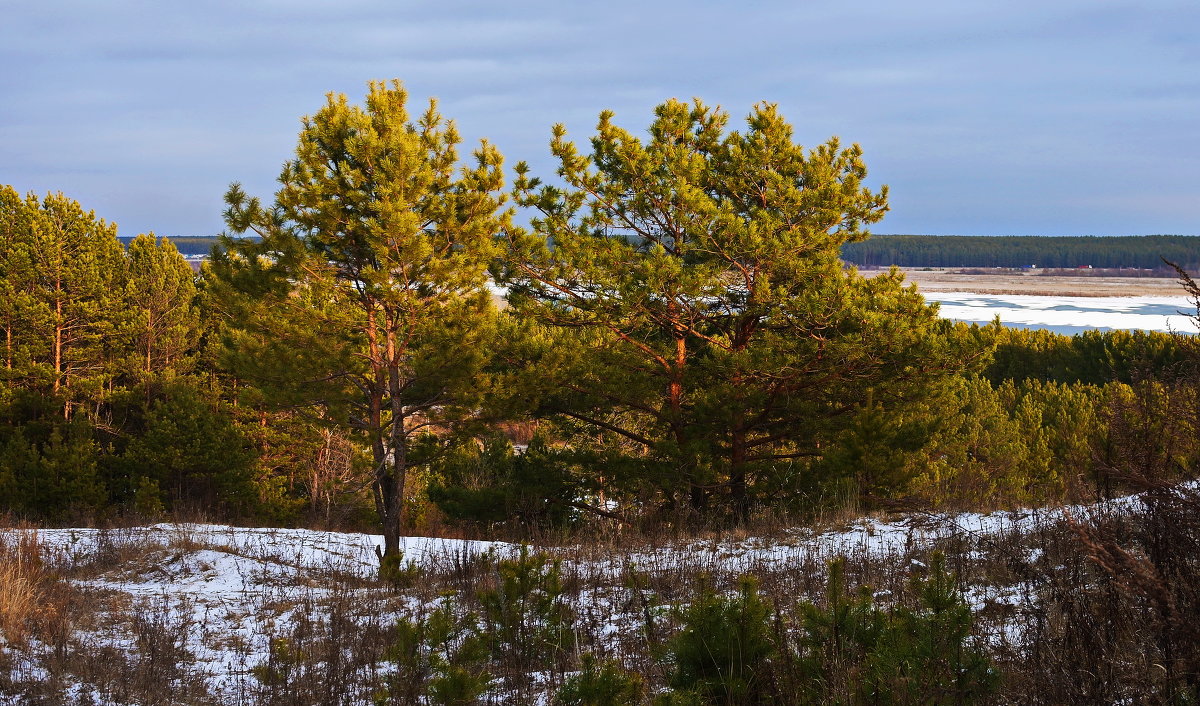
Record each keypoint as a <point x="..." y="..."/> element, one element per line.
<point x="1054" y="117"/>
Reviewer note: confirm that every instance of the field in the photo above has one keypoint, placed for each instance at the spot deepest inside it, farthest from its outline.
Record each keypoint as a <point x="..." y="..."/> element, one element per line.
<point x="1082" y="283"/>
<point x="206" y="614"/>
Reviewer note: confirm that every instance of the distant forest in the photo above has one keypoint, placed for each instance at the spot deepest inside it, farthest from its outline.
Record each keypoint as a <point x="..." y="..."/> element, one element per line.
<point x="187" y="245"/>
<point x="1135" y="251"/>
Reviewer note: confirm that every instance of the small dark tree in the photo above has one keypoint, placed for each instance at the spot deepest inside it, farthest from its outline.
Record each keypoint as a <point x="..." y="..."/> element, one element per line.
<point x="723" y="653"/>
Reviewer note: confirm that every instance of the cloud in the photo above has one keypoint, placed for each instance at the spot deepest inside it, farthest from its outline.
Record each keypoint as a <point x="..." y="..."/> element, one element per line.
<point x="980" y="115"/>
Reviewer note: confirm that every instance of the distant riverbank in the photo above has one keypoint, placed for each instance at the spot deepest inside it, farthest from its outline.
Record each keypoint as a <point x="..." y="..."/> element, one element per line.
<point x="1037" y="282"/>
<point x="1068" y="314"/>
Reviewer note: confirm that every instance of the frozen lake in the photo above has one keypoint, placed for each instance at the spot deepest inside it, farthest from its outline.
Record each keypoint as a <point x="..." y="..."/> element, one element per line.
<point x="1068" y="315"/>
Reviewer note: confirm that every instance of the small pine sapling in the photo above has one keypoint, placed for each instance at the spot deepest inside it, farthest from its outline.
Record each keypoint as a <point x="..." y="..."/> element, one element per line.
<point x="724" y="651"/>
<point x="440" y="658"/>
<point x="601" y="683"/>
<point x="526" y="620"/>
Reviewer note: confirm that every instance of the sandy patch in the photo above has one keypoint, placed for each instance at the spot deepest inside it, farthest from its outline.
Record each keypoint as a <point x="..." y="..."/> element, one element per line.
<point x="1033" y="282"/>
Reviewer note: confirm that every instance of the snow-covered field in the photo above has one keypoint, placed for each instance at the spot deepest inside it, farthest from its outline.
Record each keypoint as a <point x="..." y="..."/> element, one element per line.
<point x="225" y="593"/>
<point x="1069" y="314"/>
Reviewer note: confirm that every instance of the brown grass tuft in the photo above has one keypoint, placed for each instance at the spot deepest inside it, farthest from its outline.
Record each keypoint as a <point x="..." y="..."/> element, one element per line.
<point x="26" y="587"/>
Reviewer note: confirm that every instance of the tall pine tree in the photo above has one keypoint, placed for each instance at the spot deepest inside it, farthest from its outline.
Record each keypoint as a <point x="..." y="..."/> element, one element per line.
<point x="160" y="292"/>
<point x="718" y="338"/>
<point x="365" y="301"/>
<point x="62" y="272"/>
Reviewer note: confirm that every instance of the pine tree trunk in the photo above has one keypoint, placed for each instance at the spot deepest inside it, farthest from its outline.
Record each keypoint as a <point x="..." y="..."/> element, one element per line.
<point x="385" y="477"/>
<point x="399" y="444"/>
<point x="697" y="495"/>
<point x="393" y="466"/>
<point x="737" y="472"/>
<point x="58" y="345"/>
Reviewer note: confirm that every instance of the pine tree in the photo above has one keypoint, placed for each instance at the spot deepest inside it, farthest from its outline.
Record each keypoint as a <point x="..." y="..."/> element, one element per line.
<point x="16" y="281"/>
<point x="365" y="300"/>
<point x="63" y="272"/>
<point x="160" y="292"/>
<point x="717" y="335"/>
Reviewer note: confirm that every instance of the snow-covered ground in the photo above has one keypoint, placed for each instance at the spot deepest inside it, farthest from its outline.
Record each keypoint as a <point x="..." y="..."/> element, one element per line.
<point x="225" y="592"/>
<point x="1146" y="313"/>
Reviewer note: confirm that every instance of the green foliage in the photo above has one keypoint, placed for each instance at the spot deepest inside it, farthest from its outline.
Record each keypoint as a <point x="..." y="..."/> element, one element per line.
<point x="1093" y="357"/>
<point x="876" y="456"/>
<point x="924" y="656"/>
<point x="526" y="620"/>
<point x="835" y="639"/>
<point x="394" y="571"/>
<point x="62" y="273"/>
<point x="365" y="301"/>
<point x="493" y="484"/>
<point x="853" y="652"/>
<point x="191" y="450"/>
<point x="441" y="657"/>
<point x="49" y="469"/>
<point x="160" y="293"/>
<point x="990" y="448"/>
<point x="601" y="683"/>
<point x="709" y="332"/>
<point x="1148" y="437"/>
<point x="1144" y="252"/>
<point x="724" y="651"/>
<point x="99" y="351"/>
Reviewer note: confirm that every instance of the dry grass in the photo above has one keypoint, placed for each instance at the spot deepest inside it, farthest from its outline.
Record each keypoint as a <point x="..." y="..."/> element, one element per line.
<point x="1094" y="608"/>
<point x="18" y="602"/>
<point x="32" y="598"/>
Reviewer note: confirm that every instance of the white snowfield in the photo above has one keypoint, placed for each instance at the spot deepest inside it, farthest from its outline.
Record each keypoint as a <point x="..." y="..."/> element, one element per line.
<point x="1145" y="313"/>
<point x="226" y="560"/>
<point x="245" y="553"/>
<point x="229" y="589"/>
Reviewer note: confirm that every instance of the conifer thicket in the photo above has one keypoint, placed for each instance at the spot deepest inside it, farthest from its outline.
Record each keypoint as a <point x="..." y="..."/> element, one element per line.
<point x="102" y="401"/>
<point x="681" y="342"/>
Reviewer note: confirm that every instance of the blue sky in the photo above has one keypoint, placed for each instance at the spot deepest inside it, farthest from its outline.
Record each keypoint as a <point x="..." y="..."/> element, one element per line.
<point x="1066" y="117"/>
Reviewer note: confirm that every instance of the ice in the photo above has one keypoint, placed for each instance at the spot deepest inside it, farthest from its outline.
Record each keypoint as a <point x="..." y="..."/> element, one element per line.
<point x="1131" y="313"/>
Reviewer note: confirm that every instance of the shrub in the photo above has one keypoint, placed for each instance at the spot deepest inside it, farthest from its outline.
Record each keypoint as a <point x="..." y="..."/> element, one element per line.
<point x="441" y="657"/>
<point x="854" y="652"/>
<point x="601" y="684"/>
<point x="724" y="651"/>
<point x="525" y="618"/>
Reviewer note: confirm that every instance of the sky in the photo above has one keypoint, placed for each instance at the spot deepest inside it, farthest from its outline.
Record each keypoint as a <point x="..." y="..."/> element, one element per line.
<point x="1004" y="117"/>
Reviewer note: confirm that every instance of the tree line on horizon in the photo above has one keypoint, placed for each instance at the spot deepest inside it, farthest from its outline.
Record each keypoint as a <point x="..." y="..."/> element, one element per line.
<point x="1134" y="252"/>
<point x="681" y="343"/>
<point x="1137" y="252"/>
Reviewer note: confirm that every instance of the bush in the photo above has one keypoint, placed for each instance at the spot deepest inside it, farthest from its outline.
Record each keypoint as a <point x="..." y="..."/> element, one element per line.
<point x="526" y="620"/>
<point x="851" y="651"/>
<point x="724" y="652"/>
<point x="601" y="684"/>
<point x="495" y="484"/>
<point x="441" y="657"/>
